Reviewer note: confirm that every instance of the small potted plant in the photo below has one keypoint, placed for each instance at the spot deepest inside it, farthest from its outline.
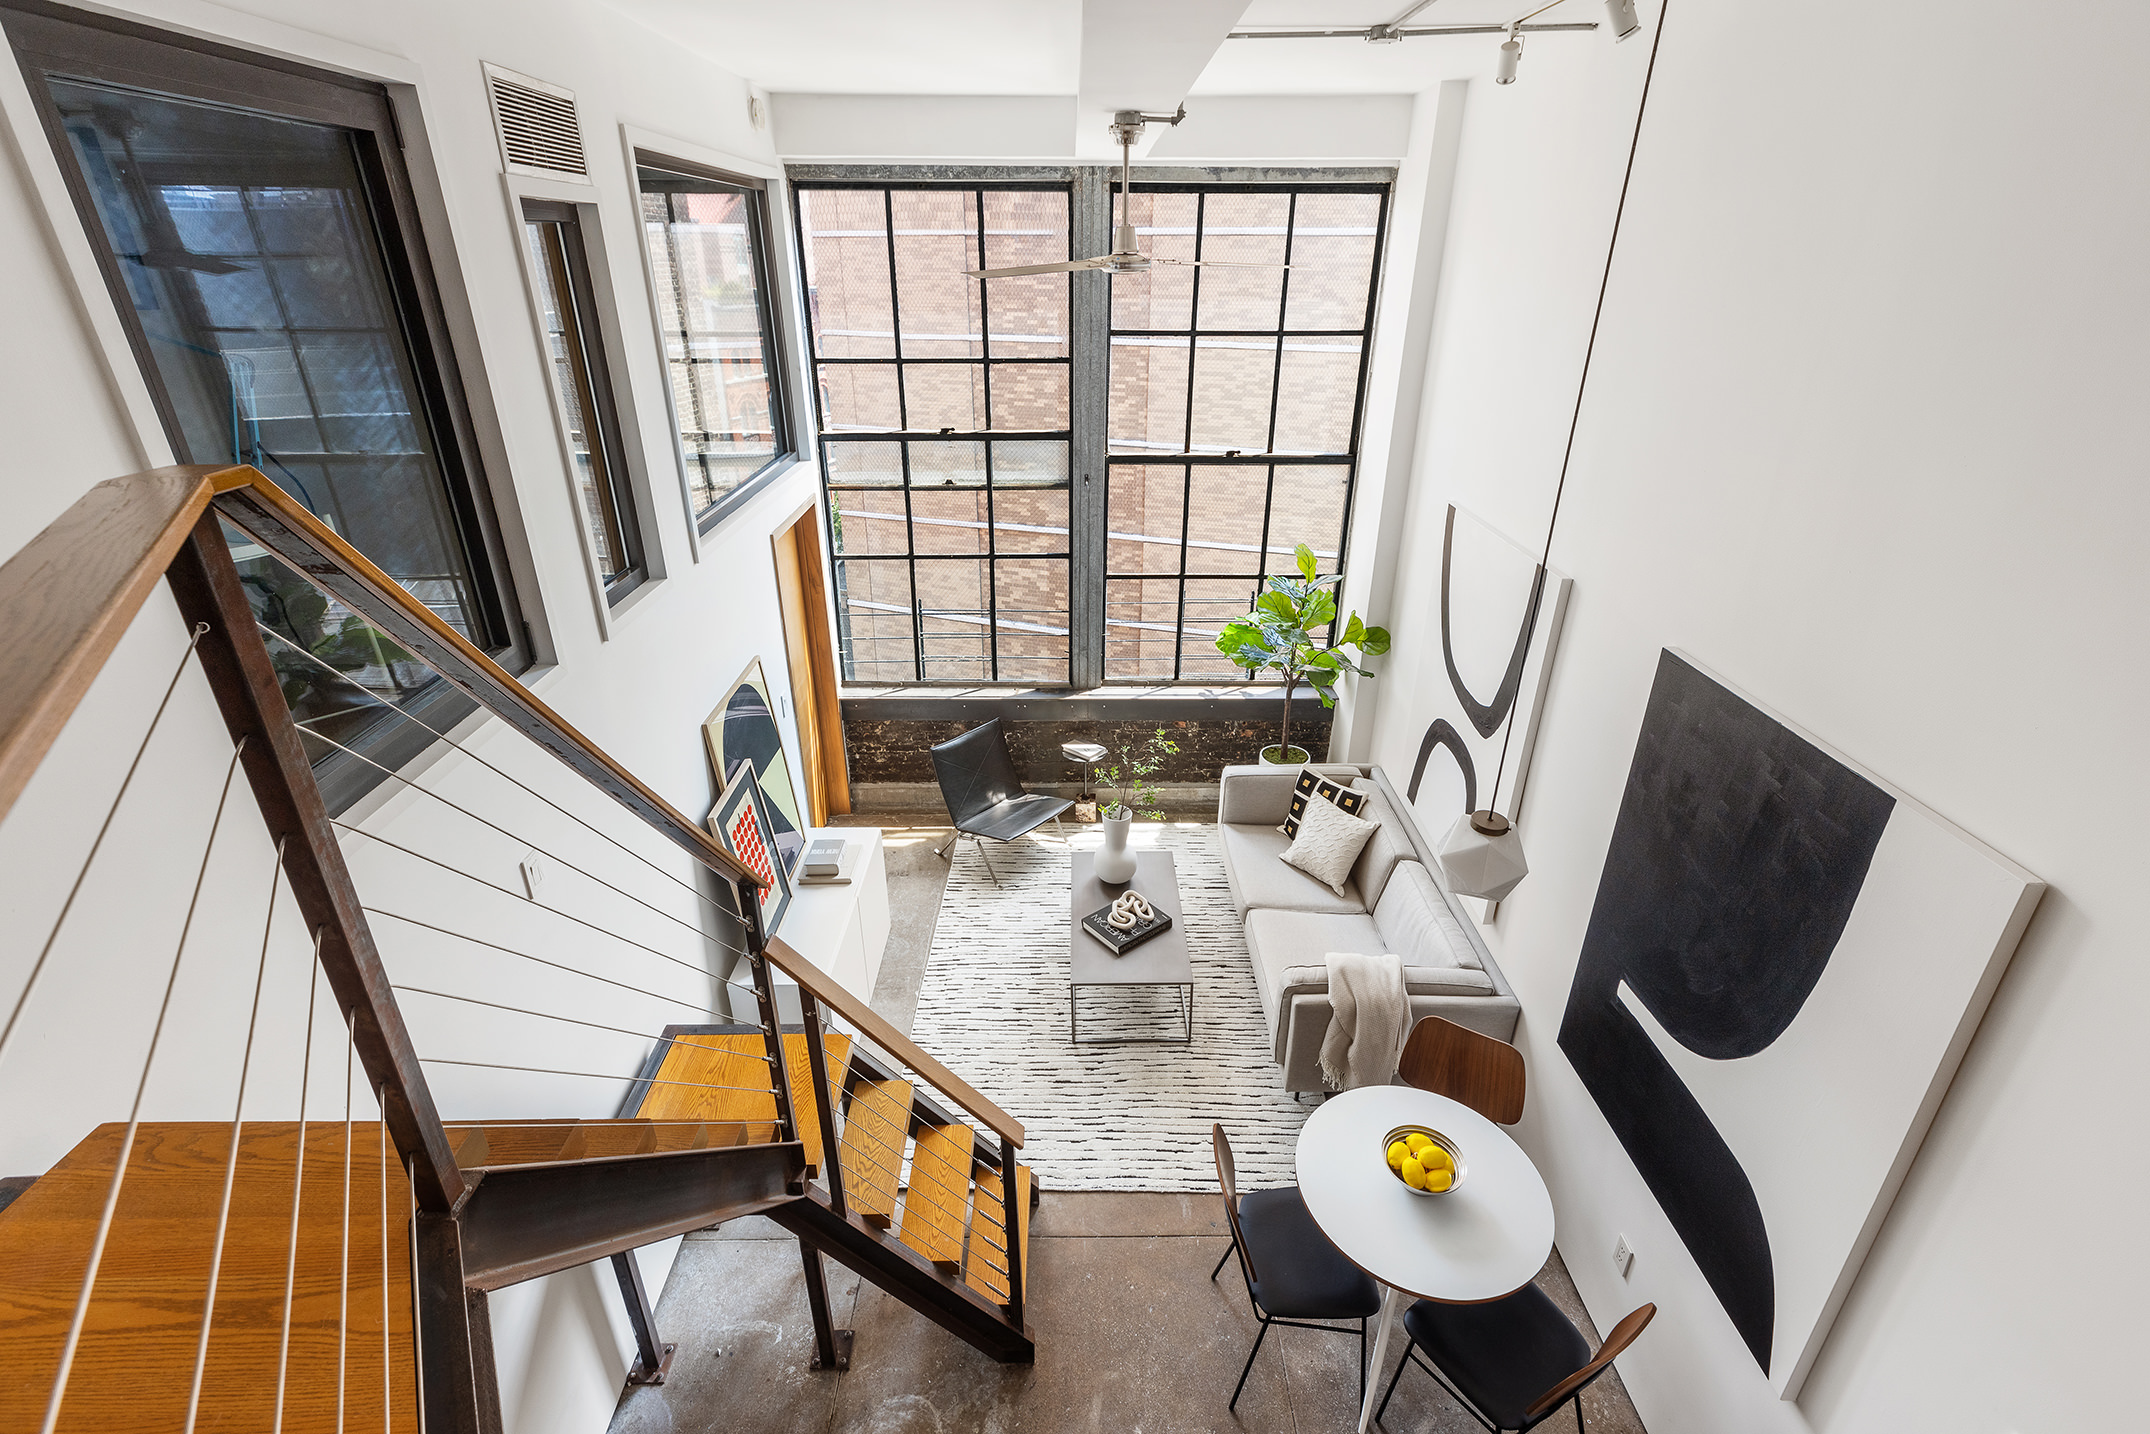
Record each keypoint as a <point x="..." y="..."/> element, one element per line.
<point x="1279" y="635"/>
<point x="1131" y="797"/>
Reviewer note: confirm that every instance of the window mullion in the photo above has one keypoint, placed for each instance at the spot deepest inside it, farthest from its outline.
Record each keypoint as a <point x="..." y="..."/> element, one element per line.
<point x="1090" y="351"/>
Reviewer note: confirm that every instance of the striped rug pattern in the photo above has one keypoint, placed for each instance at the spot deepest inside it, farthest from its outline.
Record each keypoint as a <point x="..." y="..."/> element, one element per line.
<point x="994" y="1008"/>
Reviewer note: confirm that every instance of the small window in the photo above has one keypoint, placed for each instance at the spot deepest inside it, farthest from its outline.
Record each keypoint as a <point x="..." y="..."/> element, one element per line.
<point x="708" y="239"/>
<point x="575" y="352"/>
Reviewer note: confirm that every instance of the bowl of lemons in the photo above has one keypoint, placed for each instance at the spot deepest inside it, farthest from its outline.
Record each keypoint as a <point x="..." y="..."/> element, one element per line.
<point x="1426" y="1161"/>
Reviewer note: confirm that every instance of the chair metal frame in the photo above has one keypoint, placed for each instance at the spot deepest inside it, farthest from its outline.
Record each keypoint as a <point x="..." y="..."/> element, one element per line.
<point x="1227" y="1173"/>
<point x="1615" y="1344"/>
<point x="1001" y="780"/>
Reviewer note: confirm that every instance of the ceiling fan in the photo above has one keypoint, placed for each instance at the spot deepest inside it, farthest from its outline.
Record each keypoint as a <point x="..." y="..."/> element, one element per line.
<point x="1125" y="258"/>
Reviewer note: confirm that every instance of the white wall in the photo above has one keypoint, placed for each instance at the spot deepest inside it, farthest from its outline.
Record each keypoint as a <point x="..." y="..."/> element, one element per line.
<point x="640" y="691"/>
<point x="1865" y="433"/>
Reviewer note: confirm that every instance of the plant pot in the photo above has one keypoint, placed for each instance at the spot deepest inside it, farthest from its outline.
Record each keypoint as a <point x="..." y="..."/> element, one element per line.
<point x="1115" y="863"/>
<point x="1274" y="756"/>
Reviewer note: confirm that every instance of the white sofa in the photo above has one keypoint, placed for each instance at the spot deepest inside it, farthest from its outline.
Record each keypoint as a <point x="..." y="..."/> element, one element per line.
<point x="1393" y="902"/>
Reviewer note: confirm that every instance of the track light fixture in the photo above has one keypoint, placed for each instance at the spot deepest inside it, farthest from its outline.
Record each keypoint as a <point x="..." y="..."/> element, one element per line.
<point x="1620" y="16"/>
<point x="1511" y="56"/>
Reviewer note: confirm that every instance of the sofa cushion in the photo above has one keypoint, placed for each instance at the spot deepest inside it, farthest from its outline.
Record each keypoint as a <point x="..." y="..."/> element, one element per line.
<point x="1261" y="796"/>
<point x="1280" y="940"/>
<point x="1416" y="922"/>
<point x="1254" y="866"/>
<point x="1384" y="850"/>
<point x="1327" y="844"/>
<point x="1417" y="980"/>
<point x="1312" y="784"/>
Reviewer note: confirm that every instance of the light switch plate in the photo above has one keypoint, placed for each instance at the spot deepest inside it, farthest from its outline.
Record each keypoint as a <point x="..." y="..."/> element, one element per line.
<point x="533" y="877"/>
<point x="1623" y="1256"/>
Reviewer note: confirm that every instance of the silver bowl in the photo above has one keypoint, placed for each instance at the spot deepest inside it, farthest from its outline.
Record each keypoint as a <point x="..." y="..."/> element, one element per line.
<point x="1455" y="1153"/>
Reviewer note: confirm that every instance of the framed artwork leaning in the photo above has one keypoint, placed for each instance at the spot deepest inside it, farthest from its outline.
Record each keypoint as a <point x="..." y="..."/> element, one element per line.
<point x="740" y="823"/>
<point x="742" y="733"/>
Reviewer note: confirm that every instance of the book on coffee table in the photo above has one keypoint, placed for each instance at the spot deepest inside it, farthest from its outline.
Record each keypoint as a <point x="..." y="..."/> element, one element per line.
<point x="1099" y="924"/>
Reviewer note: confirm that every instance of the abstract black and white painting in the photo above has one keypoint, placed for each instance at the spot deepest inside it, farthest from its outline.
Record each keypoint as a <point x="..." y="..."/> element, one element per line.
<point x="742" y="733"/>
<point x="1785" y="962"/>
<point x="1498" y="658"/>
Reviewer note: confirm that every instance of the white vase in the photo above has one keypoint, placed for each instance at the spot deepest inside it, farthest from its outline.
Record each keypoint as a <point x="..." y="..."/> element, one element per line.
<point x="1115" y="863"/>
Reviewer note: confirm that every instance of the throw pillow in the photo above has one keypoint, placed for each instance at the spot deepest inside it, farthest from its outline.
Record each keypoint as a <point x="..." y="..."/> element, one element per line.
<point x="1312" y="784"/>
<point x="1329" y="841"/>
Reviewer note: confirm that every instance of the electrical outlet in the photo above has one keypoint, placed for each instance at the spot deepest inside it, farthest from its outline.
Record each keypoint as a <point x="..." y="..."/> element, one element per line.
<point x="533" y="877"/>
<point x="1623" y="1256"/>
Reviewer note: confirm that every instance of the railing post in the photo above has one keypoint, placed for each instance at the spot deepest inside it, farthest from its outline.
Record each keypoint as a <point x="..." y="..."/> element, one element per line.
<point x="825" y="1098"/>
<point x="653" y="1356"/>
<point x="747" y="897"/>
<point x="1011" y="1230"/>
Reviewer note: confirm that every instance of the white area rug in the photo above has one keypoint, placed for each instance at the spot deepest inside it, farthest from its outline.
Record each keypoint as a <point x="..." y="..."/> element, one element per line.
<point x="994" y="1008"/>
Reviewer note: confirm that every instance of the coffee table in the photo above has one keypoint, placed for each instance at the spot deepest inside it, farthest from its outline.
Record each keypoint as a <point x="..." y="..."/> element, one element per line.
<point x="1160" y="961"/>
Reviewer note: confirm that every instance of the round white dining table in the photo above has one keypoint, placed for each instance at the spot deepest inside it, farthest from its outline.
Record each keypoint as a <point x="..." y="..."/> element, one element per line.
<point x="1486" y="1238"/>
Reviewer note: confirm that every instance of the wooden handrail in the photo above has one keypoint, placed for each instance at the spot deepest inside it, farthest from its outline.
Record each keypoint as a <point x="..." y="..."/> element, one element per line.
<point x="277" y="521"/>
<point x="69" y="594"/>
<point x="867" y="1022"/>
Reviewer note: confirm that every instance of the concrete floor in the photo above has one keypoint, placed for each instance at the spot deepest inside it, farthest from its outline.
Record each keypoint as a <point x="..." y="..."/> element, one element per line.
<point x="1132" y="1335"/>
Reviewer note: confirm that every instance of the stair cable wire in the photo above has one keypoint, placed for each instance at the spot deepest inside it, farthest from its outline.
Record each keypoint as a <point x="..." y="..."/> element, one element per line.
<point x="298" y="1181"/>
<point x="231" y="1161"/>
<point x="134" y="1113"/>
<point x="37" y="968"/>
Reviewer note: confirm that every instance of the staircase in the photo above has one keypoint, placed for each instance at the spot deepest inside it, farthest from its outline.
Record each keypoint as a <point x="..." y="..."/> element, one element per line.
<point x="351" y="1260"/>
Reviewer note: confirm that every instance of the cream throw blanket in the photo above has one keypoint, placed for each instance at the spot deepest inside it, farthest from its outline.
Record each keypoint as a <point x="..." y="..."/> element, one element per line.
<point x="1369" y="1019"/>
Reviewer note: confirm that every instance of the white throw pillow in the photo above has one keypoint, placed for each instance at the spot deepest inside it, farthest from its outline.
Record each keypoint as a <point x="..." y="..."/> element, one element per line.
<point x="1329" y="841"/>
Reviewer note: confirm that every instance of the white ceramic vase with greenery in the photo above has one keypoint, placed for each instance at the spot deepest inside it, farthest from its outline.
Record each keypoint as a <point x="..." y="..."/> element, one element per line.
<point x="1132" y="796"/>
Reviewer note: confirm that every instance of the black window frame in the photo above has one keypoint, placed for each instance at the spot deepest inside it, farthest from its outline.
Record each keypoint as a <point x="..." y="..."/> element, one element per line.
<point x="55" y="42"/>
<point x="763" y="242"/>
<point x="906" y="436"/>
<point x="582" y="323"/>
<point x="1188" y="459"/>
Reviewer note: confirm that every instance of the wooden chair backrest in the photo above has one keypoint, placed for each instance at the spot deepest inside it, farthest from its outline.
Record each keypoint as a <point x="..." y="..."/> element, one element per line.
<point x="1455" y="1061"/>
<point x="1623" y="1334"/>
<point x="1228" y="1181"/>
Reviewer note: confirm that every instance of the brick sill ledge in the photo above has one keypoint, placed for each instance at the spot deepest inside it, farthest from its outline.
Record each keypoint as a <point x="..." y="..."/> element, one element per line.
<point x="1098" y="704"/>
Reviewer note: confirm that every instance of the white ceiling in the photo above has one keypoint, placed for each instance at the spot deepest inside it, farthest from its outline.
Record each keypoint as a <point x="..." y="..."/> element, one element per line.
<point x="1062" y="47"/>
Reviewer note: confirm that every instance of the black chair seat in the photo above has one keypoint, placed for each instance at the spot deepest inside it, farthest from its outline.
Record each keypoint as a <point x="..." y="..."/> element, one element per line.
<point x="1301" y="1275"/>
<point x="1504" y="1354"/>
<point x="1008" y="819"/>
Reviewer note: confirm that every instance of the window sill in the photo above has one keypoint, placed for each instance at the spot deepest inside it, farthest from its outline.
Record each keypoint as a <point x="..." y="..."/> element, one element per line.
<point x="1175" y="703"/>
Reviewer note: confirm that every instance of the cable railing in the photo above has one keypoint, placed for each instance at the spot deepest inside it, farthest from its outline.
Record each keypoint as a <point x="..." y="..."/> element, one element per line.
<point x="617" y="1012"/>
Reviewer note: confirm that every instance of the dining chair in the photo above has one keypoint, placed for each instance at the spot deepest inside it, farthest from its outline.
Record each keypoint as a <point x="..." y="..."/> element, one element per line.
<point x="1458" y="1062"/>
<point x="985" y="798"/>
<point x="1510" y="1363"/>
<point x="1293" y="1273"/>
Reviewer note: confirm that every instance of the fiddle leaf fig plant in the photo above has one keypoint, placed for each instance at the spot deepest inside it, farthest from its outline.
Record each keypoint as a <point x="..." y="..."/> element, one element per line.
<point x="1280" y="636"/>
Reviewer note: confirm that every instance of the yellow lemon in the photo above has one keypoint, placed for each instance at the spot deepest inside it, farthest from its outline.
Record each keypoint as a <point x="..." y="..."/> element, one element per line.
<point x="1414" y="1174"/>
<point x="1398" y="1153"/>
<point x="1417" y="1142"/>
<point x="1436" y="1159"/>
<point x="1439" y="1180"/>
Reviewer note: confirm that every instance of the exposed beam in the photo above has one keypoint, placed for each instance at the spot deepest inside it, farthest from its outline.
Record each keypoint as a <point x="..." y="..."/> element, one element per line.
<point x="1140" y="55"/>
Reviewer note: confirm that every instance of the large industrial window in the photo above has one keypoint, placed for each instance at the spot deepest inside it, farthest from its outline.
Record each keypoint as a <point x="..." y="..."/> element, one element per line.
<point x="709" y="252"/>
<point x="944" y="426"/>
<point x="954" y="415"/>
<point x="1233" y="425"/>
<point x="259" y="238"/>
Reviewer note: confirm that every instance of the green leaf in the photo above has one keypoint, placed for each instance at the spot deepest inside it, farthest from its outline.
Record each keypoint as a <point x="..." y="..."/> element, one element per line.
<point x="1375" y="642"/>
<point x="1323" y="659"/>
<point x="1305" y="556"/>
<point x="1319" y="610"/>
<point x="1354" y="630"/>
<point x="1280" y="606"/>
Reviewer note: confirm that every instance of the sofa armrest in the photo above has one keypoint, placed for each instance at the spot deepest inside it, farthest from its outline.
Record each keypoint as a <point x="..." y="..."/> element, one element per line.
<point x="1303" y="1019"/>
<point x="1261" y="796"/>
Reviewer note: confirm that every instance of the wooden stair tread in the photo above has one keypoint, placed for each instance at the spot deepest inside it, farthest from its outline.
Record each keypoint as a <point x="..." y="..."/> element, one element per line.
<point x="985" y="1263"/>
<point x="725" y="1079"/>
<point x="875" y="1127"/>
<point x="134" y="1365"/>
<point x="936" y="1207"/>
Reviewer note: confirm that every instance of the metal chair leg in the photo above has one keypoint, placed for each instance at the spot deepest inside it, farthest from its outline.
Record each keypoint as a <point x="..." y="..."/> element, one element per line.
<point x="1060" y="831"/>
<point x="1401" y="1366"/>
<point x="987" y="860"/>
<point x="1362" y="1361"/>
<point x="1250" y="1366"/>
<point x="941" y="851"/>
<point x="1220" y="1266"/>
<point x="1579" y="1413"/>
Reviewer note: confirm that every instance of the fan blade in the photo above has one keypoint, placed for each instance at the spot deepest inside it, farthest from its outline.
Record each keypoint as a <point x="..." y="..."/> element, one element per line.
<point x="1068" y="268"/>
<point x="1218" y="263"/>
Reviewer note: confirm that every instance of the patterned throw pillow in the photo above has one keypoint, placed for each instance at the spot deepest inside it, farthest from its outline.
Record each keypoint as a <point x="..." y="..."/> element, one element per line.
<point x="1329" y="841"/>
<point x="1313" y="784"/>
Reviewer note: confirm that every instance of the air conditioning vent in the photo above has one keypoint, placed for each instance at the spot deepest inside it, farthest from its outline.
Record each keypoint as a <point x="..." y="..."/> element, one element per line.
<point x="539" y="131"/>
